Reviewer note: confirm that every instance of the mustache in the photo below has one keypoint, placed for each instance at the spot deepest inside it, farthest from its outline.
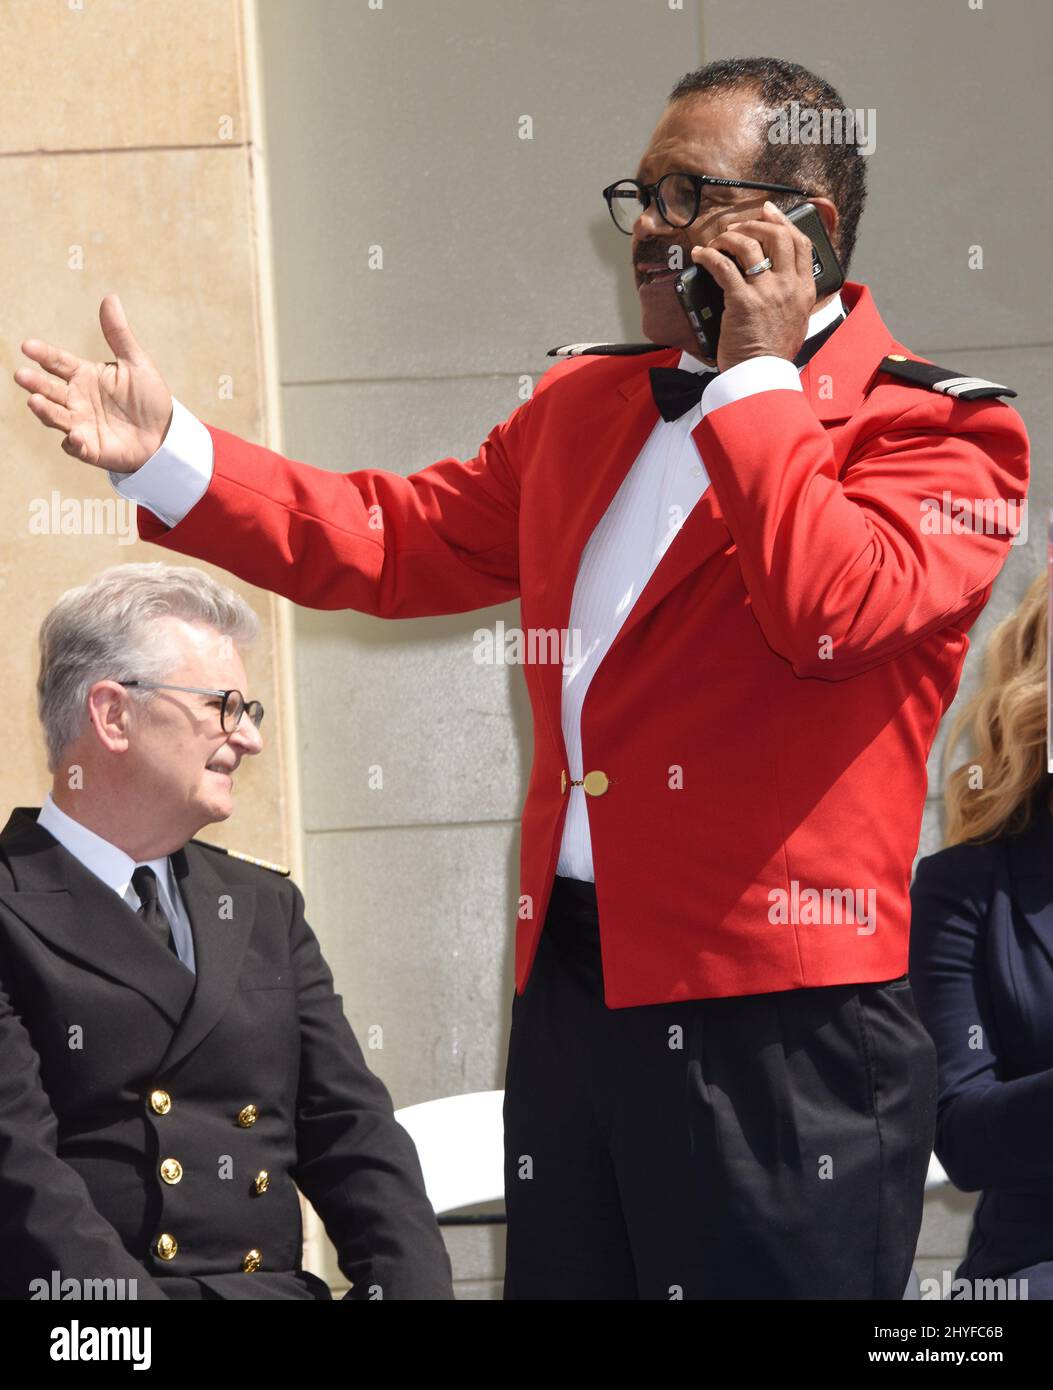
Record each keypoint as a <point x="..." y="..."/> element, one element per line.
<point x="662" y="253"/>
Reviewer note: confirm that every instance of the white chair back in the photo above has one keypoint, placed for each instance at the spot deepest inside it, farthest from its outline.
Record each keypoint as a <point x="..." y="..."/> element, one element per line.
<point x="460" y="1141"/>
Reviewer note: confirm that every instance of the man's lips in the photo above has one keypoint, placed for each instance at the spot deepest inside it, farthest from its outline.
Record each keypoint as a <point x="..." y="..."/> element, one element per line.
<point x="654" y="273"/>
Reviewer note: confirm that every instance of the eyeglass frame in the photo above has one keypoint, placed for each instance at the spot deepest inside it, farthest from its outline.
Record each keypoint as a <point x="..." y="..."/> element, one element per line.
<point x="700" y="181"/>
<point x="247" y="706"/>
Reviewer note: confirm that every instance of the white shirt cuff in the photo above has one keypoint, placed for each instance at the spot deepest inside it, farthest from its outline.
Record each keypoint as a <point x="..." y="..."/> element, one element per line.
<point x="177" y="476"/>
<point x="747" y="379"/>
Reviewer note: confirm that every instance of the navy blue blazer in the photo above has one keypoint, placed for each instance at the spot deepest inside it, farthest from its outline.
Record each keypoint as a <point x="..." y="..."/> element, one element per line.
<point x="981" y="969"/>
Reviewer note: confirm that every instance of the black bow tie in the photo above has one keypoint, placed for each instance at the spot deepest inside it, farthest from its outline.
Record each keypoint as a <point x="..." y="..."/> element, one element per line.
<point x="675" y="391"/>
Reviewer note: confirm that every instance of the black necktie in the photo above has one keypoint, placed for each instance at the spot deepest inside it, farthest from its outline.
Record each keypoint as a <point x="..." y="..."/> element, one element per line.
<point x="675" y="391"/>
<point x="150" y="910"/>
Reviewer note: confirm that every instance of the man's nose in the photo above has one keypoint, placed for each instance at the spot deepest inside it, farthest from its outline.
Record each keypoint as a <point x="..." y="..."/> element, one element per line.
<point x="650" y="222"/>
<point x="246" y="736"/>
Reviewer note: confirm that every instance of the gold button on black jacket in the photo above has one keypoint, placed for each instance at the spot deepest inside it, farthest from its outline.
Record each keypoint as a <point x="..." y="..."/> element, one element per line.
<point x="98" y="1022"/>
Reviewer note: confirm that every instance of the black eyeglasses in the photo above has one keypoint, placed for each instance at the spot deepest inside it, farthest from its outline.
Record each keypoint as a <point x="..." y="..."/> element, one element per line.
<point x="677" y="197"/>
<point x="233" y="707"/>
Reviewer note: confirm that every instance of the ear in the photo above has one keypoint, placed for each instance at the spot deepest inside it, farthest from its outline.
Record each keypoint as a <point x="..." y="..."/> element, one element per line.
<point x="109" y="710"/>
<point x="828" y="212"/>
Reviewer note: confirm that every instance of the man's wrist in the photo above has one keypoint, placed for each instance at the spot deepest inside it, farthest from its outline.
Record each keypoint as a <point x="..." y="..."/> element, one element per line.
<point x="116" y="478"/>
<point x="748" y="378"/>
<point x="177" y="475"/>
<point x="754" y="356"/>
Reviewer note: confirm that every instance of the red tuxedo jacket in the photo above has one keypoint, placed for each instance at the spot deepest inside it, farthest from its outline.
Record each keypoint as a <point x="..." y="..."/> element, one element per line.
<point x="764" y="715"/>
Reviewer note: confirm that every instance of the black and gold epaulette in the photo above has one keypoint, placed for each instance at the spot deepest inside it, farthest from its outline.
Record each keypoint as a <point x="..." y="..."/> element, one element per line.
<point x="246" y="858"/>
<point x="604" y="349"/>
<point x="945" y="379"/>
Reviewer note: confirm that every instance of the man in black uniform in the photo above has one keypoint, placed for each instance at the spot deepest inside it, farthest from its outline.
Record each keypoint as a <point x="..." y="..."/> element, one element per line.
<point x="176" y="1062"/>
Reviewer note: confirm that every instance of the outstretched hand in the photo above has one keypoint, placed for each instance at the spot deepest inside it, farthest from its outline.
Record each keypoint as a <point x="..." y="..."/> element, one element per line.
<point x="114" y="415"/>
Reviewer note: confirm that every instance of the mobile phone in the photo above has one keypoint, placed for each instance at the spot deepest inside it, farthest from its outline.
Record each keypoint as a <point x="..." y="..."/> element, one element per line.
<point x="702" y="299"/>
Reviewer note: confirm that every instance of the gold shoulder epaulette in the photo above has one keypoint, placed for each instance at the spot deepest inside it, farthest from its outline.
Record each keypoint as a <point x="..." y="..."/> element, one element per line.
<point x="260" y="863"/>
<point x="247" y="858"/>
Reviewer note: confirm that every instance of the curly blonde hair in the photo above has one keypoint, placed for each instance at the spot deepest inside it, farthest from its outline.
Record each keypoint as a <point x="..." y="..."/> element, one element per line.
<point x="995" y="793"/>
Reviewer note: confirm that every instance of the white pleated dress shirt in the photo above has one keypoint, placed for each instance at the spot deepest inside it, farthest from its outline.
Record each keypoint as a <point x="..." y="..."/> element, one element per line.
<point x="619" y="558"/>
<point x="628" y="543"/>
<point x="115" y="869"/>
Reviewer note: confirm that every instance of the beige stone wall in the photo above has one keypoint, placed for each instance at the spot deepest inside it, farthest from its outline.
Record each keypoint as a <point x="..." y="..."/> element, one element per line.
<point x="129" y="162"/>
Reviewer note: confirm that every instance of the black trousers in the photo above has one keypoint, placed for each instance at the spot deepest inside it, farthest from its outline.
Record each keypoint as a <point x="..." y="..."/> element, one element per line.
<point x="767" y="1146"/>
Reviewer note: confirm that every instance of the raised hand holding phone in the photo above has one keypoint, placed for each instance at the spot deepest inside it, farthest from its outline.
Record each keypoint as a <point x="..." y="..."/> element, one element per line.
<point x="765" y="313"/>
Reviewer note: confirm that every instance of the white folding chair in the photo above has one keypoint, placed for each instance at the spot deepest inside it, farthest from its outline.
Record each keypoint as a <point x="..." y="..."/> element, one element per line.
<point x="460" y="1141"/>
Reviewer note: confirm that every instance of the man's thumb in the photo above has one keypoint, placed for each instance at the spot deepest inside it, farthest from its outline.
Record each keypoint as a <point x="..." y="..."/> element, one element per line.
<point x="116" y="331"/>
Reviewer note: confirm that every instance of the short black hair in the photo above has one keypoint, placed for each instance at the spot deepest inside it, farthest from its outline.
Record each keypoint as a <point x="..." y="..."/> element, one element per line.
<point x="837" y="170"/>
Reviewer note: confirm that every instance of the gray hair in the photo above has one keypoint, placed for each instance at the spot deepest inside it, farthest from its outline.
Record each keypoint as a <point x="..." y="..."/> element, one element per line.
<point x="107" y="630"/>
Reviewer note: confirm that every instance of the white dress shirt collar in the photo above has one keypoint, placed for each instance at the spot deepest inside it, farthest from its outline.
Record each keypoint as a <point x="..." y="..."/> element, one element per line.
<point x="102" y="858"/>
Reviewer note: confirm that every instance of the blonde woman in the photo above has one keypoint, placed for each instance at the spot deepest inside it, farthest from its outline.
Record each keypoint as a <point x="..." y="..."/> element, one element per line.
<point x="982" y="962"/>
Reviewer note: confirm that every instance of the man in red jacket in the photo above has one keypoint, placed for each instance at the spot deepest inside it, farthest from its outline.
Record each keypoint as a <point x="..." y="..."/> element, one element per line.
<point x="718" y="1085"/>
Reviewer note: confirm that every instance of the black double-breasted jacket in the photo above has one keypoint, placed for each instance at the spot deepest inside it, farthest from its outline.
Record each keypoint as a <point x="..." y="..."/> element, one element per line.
<point x="155" y="1124"/>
